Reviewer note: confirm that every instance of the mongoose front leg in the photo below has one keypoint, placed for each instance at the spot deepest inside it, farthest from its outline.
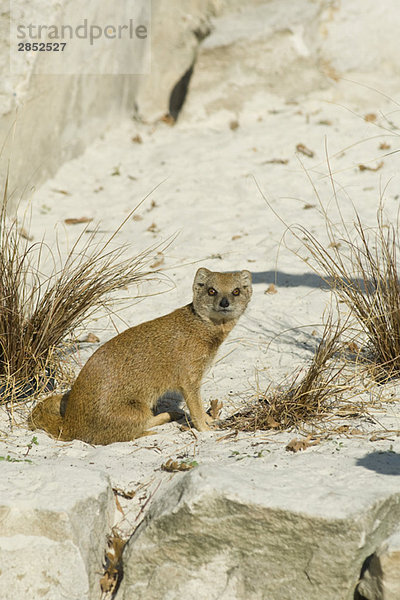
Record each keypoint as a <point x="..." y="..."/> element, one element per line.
<point x="196" y="409"/>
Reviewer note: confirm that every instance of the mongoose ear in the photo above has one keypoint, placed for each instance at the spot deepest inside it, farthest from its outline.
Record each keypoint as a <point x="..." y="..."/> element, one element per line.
<point x="201" y="276"/>
<point x="246" y="278"/>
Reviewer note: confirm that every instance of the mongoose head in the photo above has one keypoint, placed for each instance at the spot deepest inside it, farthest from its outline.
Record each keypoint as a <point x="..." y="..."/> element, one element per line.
<point x="221" y="297"/>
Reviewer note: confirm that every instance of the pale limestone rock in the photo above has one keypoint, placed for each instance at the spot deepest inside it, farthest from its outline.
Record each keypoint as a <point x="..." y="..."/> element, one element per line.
<point x="53" y="527"/>
<point x="381" y="580"/>
<point x="290" y="49"/>
<point x="247" y="534"/>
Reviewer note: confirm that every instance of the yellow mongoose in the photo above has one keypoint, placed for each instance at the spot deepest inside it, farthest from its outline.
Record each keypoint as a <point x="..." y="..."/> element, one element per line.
<point x="113" y="398"/>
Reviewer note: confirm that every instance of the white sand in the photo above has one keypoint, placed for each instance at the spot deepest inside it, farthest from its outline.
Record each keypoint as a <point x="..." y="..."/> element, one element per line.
<point x="207" y="197"/>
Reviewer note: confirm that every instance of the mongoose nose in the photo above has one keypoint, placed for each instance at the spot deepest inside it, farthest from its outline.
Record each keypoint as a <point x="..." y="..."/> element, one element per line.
<point x="224" y="303"/>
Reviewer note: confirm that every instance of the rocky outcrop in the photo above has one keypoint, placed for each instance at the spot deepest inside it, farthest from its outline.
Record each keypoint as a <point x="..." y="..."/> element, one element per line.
<point x="381" y="579"/>
<point x="52" y="543"/>
<point x="279" y="533"/>
<point x="290" y="49"/>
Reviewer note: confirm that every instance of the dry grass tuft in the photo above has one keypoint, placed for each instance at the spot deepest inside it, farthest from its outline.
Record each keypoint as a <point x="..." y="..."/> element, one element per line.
<point x="363" y="271"/>
<point x="38" y="311"/>
<point x="305" y="400"/>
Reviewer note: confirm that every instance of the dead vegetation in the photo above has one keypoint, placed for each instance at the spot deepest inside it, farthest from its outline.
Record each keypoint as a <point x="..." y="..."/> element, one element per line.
<point x="362" y="269"/>
<point x="305" y="399"/>
<point x="44" y="299"/>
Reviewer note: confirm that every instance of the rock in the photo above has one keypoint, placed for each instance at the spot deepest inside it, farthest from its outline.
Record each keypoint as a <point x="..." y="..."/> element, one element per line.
<point x="53" y="526"/>
<point x="381" y="580"/>
<point x="47" y="118"/>
<point x="290" y="49"/>
<point x="302" y="531"/>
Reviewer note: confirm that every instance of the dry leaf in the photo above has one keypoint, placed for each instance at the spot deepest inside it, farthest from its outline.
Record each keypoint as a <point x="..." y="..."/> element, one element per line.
<point x="168" y="119"/>
<point x="127" y="494"/>
<point x="304" y="150"/>
<point x="63" y="192"/>
<point x="370" y="117"/>
<point x="137" y="218"/>
<point x="215" y="408"/>
<point x="153" y="228"/>
<point x="276" y="161"/>
<point x="137" y="139"/>
<point x="324" y="122"/>
<point x="295" y="445"/>
<point x="173" y="466"/>
<point x="77" y="221"/>
<point x="158" y="262"/>
<point x="236" y="237"/>
<point x="90" y="338"/>
<point x="234" y="125"/>
<point x="353" y="347"/>
<point x="384" y="146"/>
<point x="308" y="206"/>
<point x="271" y="289"/>
<point x="367" y="168"/>
<point x="113" y="570"/>
<point x="272" y="423"/>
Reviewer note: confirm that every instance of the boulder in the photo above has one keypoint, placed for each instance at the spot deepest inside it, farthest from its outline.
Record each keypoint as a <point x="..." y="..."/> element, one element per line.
<point x="381" y="579"/>
<point x="280" y="531"/>
<point x="53" y="527"/>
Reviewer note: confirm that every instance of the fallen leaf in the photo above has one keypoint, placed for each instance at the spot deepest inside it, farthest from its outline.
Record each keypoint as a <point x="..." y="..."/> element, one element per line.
<point x="353" y="347"/>
<point x="153" y="228"/>
<point x="304" y="150"/>
<point x="168" y="119"/>
<point x="63" y="192"/>
<point x="137" y="139"/>
<point x="308" y="206"/>
<point x="158" y="262"/>
<point x="91" y="338"/>
<point x="271" y="289"/>
<point x="234" y="125"/>
<point x="137" y="218"/>
<point x="173" y="466"/>
<point x="276" y="161"/>
<point x="384" y="146"/>
<point x="113" y="569"/>
<point x="272" y="423"/>
<point x="77" y="221"/>
<point x="370" y="117"/>
<point x="153" y="204"/>
<point x="324" y="122"/>
<point x="367" y="168"/>
<point x="295" y="444"/>
<point x="236" y="237"/>
<point x="128" y="495"/>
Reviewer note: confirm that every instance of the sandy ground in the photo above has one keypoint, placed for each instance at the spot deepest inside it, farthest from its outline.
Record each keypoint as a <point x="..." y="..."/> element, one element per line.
<point x="208" y="208"/>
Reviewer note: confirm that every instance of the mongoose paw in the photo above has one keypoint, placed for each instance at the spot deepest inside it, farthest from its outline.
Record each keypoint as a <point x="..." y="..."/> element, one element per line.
<point x="203" y="427"/>
<point x="209" y="419"/>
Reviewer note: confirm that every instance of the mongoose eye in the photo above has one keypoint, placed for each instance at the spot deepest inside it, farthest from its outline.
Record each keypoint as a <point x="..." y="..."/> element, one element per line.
<point x="212" y="292"/>
<point x="236" y="292"/>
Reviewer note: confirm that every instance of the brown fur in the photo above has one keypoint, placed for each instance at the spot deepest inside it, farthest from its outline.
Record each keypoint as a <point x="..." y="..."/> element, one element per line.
<point x="113" y="398"/>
